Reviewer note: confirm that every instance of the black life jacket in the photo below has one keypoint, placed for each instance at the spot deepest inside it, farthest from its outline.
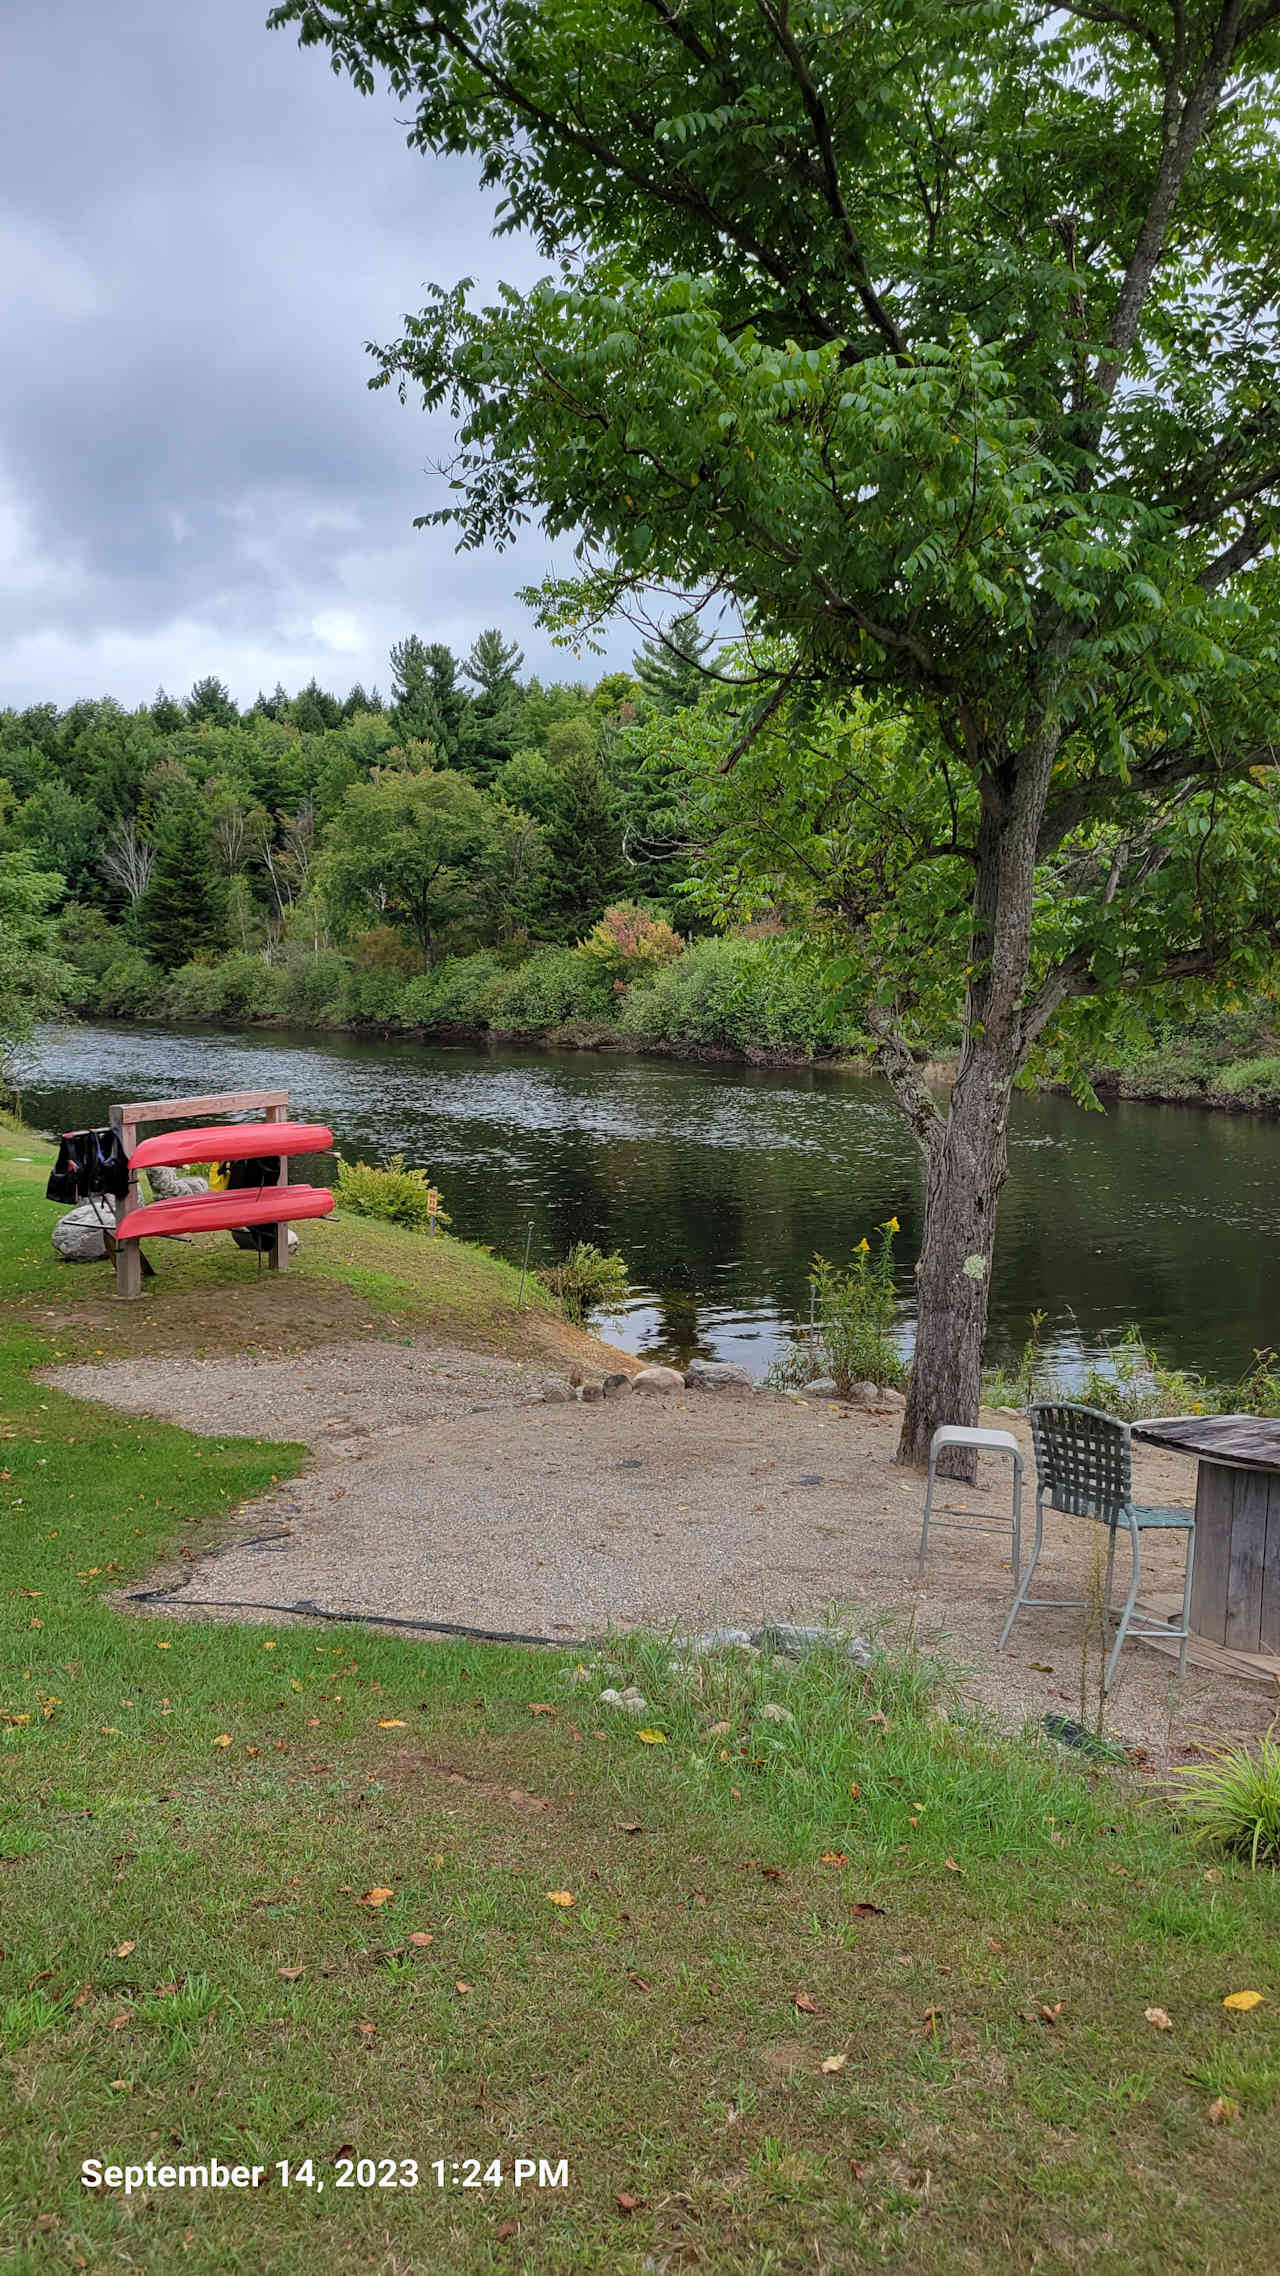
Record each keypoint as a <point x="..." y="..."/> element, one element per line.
<point x="91" y="1163"/>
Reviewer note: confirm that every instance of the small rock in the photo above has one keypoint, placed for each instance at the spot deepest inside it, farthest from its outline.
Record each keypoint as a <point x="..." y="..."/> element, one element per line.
<point x="717" y="1375"/>
<point x="823" y="1387"/>
<point x="617" y="1386"/>
<point x="719" y="1730"/>
<point x="889" y="1398"/>
<point x="794" y="1643"/>
<point x="556" y="1393"/>
<point x="658" y="1379"/>
<point x="593" y="1394"/>
<point x="630" y="1701"/>
<point x="611" y="1698"/>
<point x="771" y="1713"/>
<point x="714" y="1640"/>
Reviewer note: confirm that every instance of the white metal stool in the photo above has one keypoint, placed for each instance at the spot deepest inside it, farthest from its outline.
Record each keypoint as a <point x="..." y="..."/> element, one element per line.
<point x="960" y="1521"/>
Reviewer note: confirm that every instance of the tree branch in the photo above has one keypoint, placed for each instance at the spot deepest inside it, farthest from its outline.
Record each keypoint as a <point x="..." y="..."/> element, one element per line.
<point x="892" y="1059"/>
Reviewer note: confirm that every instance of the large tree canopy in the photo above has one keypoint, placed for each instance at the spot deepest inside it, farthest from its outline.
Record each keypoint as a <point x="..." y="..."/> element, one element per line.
<point x="940" y="339"/>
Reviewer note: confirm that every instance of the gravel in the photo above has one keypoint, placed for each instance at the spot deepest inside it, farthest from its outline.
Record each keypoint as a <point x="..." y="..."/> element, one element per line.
<point x="442" y="1489"/>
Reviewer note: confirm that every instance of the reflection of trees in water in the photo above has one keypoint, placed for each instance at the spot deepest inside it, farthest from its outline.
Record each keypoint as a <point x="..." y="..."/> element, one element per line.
<point x="1166" y="1216"/>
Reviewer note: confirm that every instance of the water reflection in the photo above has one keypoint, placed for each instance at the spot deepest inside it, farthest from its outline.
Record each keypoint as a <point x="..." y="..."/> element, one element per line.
<point x="718" y="1184"/>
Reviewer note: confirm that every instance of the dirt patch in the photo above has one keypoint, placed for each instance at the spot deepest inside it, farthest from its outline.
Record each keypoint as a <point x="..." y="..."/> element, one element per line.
<point x="263" y="1313"/>
<point x="410" y="1769"/>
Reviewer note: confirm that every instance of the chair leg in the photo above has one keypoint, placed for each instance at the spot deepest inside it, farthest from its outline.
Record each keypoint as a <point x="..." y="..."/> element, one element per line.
<point x="1111" y="1566"/>
<point x="1017" y="1522"/>
<point x="928" y="1503"/>
<point x="1025" y="1583"/>
<point x="1186" y="1600"/>
<point x="1127" y="1613"/>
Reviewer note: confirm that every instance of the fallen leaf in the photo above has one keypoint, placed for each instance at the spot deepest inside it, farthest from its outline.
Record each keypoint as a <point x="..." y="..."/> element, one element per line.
<point x="506" y="2230"/>
<point x="1241" y="2002"/>
<point x="392" y="1723"/>
<point x="855" y="1789"/>
<point x="625" y="2202"/>
<point x="460" y="1986"/>
<point x="367" y="2029"/>
<point x="806" y="2006"/>
<point x="563" y="1897"/>
<point x="1042" y="1667"/>
<point x="291" y="1975"/>
<point x="376" y="1897"/>
<point x="1158" y="2018"/>
<point x="652" y="1738"/>
<point x="1223" y="2110"/>
<point x="421" y="1936"/>
<point x="866" y="1911"/>
<point x="951" y="1865"/>
<point x="1050" y="2014"/>
<point x="833" y="2063"/>
<point x="630" y="1825"/>
<point x="540" y="1707"/>
<point x="641" y="1982"/>
<point x="993" y="1945"/>
<point x="833" y="1857"/>
<point x="119" y="2085"/>
<point x="123" y="1950"/>
<point x="223" y="1739"/>
<point x="118" y="2022"/>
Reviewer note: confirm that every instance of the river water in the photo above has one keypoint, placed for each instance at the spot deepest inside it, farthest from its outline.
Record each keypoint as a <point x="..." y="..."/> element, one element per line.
<point x="718" y="1184"/>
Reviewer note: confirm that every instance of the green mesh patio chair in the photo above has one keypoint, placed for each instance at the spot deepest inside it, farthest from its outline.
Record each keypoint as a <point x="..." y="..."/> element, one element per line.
<point x="1083" y="1468"/>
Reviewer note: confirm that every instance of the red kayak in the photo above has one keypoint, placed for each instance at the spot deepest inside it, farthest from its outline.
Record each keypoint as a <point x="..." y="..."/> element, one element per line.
<point x="231" y="1142"/>
<point x="218" y="1212"/>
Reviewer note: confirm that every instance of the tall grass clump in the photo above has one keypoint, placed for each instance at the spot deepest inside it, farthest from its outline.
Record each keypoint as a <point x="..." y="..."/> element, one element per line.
<point x="586" y="1280"/>
<point x="1232" y="1799"/>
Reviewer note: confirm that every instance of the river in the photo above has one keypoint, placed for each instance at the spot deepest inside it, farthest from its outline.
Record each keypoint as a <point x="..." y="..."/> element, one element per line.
<point x="718" y="1184"/>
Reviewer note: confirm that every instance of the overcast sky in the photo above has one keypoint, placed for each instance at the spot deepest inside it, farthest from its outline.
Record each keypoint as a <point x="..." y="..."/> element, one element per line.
<point x="200" y="227"/>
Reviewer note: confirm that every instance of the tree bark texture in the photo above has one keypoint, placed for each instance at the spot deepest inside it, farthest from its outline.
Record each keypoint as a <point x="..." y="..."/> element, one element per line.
<point x="966" y="1150"/>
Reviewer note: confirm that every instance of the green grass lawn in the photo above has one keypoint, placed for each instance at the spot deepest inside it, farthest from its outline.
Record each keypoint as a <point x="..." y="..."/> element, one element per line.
<point x="865" y="1990"/>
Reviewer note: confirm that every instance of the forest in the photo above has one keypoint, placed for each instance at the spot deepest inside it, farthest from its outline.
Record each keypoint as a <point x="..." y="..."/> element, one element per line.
<point x="477" y="850"/>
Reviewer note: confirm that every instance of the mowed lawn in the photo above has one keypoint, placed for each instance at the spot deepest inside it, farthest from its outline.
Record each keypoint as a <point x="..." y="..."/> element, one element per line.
<point x="866" y="1989"/>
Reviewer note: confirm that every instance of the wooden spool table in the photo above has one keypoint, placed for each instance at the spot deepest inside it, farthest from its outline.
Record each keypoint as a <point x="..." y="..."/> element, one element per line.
<point x="1235" y="1589"/>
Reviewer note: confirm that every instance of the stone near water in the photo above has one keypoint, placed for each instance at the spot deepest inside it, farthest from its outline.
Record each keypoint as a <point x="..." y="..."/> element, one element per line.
<point x="717" y="1375"/>
<point x="593" y="1394"/>
<point x="823" y="1388"/>
<point x="658" y="1379"/>
<point x="555" y="1393"/>
<point x="617" y="1386"/>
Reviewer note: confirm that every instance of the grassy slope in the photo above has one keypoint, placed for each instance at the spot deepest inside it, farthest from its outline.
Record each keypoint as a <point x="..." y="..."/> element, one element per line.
<point x="158" y="1881"/>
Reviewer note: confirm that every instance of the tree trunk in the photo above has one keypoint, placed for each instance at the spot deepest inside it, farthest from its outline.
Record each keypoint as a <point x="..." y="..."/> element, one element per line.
<point x="966" y="1152"/>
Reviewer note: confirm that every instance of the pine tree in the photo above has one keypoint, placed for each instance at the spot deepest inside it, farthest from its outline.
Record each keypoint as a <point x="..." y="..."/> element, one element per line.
<point x="669" y="667"/>
<point x="315" y="709"/>
<point x="209" y="704"/>
<point x="166" y="715"/>
<point x="584" y="842"/>
<point x="183" y="913"/>
<point x="491" y="728"/>
<point x="428" y="705"/>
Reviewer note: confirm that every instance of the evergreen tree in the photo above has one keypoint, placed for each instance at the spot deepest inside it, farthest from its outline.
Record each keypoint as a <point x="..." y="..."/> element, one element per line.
<point x="183" y="912"/>
<point x="315" y="710"/>
<point x="166" y="715"/>
<point x="428" y="705"/>
<point x="492" y="726"/>
<point x="668" y="667"/>
<point x="209" y="704"/>
<point x="357" y="702"/>
<point x="584" y="843"/>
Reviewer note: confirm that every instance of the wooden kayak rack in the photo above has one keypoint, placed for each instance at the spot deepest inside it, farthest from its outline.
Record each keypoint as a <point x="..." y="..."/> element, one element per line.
<point x="274" y="1205"/>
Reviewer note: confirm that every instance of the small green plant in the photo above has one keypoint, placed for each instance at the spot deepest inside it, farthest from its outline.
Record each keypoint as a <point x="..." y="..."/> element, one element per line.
<point x="1258" y="1391"/>
<point x="853" y="1315"/>
<point x="395" y="1194"/>
<point x="1017" y="1388"/>
<point x="1232" y="1800"/>
<point x="586" y="1280"/>
<point x="1133" y="1383"/>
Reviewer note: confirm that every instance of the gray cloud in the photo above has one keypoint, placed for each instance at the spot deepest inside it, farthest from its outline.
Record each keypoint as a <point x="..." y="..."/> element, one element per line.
<point x="201" y="227"/>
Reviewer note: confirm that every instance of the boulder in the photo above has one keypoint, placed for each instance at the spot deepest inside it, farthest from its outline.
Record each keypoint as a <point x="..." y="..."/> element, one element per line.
<point x="617" y="1386"/>
<point x="794" y="1643"/>
<point x="823" y="1388"/>
<point x="555" y="1393"/>
<point x="166" y="1185"/>
<point x="717" y="1375"/>
<point x="658" y="1379"/>
<point x="80" y="1236"/>
<point x="593" y="1394"/>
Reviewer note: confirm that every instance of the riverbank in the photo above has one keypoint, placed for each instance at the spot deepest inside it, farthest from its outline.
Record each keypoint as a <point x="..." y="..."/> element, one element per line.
<point x="285" y="1889"/>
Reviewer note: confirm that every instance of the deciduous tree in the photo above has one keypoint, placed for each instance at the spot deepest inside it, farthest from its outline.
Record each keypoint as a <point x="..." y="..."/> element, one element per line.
<point x="940" y="339"/>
